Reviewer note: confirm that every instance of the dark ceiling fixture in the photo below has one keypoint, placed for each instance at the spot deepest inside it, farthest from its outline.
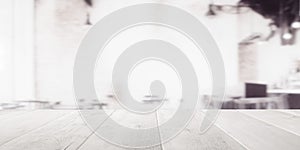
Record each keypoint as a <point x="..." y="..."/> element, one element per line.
<point x="211" y="11"/>
<point x="90" y="4"/>
<point x="88" y="20"/>
<point x="230" y="9"/>
<point x="284" y="13"/>
<point x="277" y="10"/>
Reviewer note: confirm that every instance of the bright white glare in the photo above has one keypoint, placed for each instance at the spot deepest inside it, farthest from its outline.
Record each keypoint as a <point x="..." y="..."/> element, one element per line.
<point x="287" y="36"/>
<point x="296" y="24"/>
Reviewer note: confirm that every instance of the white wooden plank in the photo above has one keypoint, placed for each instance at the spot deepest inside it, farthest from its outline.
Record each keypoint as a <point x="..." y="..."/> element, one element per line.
<point x="191" y="138"/>
<point x="5" y="111"/>
<point x="128" y="119"/>
<point x="95" y="142"/>
<point x="11" y="114"/>
<point x="47" y="137"/>
<point x="255" y="134"/>
<point x="87" y="131"/>
<point x="52" y="129"/>
<point x="65" y="133"/>
<point x="297" y="112"/>
<point x="279" y="119"/>
<point x="27" y="123"/>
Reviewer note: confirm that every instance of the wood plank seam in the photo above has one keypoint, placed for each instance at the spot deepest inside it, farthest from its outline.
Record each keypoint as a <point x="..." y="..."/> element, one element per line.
<point x="32" y="130"/>
<point x="94" y="132"/>
<point x="67" y="147"/>
<point x="157" y="124"/>
<point x="67" y="123"/>
<point x="288" y="112"/>
<point x="268" y="123"/>
<point x="231" y="136"/>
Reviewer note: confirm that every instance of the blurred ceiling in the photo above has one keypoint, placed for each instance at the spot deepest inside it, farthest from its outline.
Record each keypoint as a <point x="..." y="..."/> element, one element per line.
<point x="279" y="11"/>
<point x="284" y="13"/>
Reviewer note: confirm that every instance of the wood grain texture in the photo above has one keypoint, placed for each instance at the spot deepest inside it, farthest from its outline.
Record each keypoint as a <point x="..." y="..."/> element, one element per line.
<point x="256" y="134"/>
<point x="67" y="132"/>
<point x="278" y="119"/>
<point x="127" y="119"/>
<point x="19" y="125"/>
<point x="52" y="136"/>
<point x="191" y="138"/>
<point x="234" y="129"/>
<point x="297" y="112"/>
<point x="11" y="114"/>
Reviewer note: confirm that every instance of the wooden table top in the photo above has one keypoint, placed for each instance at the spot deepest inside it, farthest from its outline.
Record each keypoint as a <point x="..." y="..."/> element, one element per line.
<point x="284" y="91"/>
<point x="233" y="130"/>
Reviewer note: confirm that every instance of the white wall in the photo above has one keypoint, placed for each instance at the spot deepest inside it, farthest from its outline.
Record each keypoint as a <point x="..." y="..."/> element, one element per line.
<point x="60" y="29"/>
<point x="6" y="57"/>
<point x="276" y="61"/>
<point x="60" y="25"/>
<point x="44" y="71"/>
<point x="270" y="61"/>
<point x="38" y="46"/>
<point x="24" y="50"/>
<point x="17" y="50"/>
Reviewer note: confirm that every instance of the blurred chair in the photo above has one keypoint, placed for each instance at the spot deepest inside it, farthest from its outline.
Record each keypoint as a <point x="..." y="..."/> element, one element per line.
<point x="261" y="103"/>
<point x="9" y="105"/>
<point x="34" y="104"/>
<point x="256" y="97"/>
<point x="91" y="104"/>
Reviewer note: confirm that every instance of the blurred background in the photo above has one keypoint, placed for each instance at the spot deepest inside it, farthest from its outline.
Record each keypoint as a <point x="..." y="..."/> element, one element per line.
<point x="258" y="40"/>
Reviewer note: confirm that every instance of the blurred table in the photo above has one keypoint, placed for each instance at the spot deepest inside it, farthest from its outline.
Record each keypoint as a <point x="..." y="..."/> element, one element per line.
<point x="234" y="129"/>
<point x="284" y="91"/>
<point x="293" y="96"/>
